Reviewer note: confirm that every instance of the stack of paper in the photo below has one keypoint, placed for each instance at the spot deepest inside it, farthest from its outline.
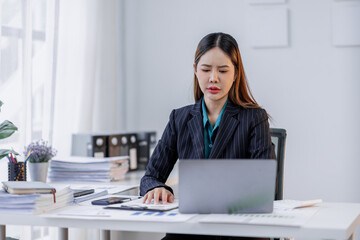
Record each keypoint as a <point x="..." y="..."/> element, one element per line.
<point x="286" y="213"/>
<point x="91" y="212"/>
<point x="295" y="217"/>
<point x="88" y="169"/>
<point x="34" y="203"/>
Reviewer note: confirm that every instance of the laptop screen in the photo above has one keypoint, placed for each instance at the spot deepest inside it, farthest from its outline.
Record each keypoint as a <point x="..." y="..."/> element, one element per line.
<point x="227" y="186"/>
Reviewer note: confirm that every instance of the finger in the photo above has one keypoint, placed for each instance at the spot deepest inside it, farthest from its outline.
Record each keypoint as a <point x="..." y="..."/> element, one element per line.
<point x="164" y="196"/>
<point x="150" y="197"/>
<point x="145" y="197"/>
<point x="171" y="198"/>
<point x="157" y="195"/>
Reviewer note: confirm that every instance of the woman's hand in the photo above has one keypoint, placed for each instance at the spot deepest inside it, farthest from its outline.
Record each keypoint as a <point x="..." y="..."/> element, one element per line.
<point x="157" y="194"/>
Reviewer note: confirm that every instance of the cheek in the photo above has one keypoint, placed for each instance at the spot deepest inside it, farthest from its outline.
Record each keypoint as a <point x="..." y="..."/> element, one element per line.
<point x="201" y="78"/>
<point x="200" y="75"/>
<point x="229" y="82"/>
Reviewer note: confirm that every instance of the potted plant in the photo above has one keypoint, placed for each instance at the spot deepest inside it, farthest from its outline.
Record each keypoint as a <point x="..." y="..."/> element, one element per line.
<point x="7" y="128"/>
<point x="40" y="153"/>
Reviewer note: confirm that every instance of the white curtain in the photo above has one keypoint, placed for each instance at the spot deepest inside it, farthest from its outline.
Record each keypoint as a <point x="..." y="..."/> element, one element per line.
<point x="87" y="81"/>
<point x="60" y="73"/>
<point x="60" y="69"/>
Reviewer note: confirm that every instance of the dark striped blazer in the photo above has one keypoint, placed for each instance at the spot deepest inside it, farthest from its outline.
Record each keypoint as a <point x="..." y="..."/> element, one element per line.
<point x="243" y="133"/>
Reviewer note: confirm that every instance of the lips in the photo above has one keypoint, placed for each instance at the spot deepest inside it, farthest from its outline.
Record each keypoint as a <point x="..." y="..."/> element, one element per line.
<point x="213" y="89"/>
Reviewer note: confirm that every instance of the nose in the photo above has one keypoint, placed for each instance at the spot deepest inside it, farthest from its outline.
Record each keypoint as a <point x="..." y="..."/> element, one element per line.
<point x="214" y="76"/>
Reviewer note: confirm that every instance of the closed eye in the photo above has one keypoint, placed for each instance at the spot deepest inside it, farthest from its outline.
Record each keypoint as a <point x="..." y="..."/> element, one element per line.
<point x="205" y="70"/>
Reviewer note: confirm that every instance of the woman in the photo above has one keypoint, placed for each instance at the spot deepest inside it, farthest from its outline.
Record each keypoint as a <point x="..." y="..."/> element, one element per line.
<point x="225" y="121"/>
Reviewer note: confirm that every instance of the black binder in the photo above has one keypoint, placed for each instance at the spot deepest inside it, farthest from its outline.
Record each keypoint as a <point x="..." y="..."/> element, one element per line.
<point x="146" y="146"/>
<point x="99" y="144"/>
<point x="89" y="145"/>
<point x="114" y="145"/>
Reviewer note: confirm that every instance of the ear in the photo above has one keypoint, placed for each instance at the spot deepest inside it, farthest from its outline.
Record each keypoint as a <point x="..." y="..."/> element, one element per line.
<point x="195" y="72"/>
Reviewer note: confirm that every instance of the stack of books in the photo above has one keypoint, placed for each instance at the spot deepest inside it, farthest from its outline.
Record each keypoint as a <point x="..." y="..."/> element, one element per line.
<point x="89" y="169"/>
<point x="33" y="197"/>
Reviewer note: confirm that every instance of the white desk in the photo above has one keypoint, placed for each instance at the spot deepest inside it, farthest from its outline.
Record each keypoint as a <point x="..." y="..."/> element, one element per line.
<point x="332" y="221"/>
<point x="131" y="179"/>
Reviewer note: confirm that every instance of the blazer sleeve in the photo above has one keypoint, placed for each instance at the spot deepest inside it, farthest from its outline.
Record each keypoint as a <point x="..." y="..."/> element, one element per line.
<point x="162" y="160"/>
<point x="260" y="145"/>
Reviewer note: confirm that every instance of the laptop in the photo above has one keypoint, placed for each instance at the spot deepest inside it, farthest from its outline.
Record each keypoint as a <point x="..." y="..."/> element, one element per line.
<point x="227" y="186"/>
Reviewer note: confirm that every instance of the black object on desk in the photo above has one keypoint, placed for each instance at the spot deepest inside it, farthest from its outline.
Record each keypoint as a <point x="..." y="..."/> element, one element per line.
<point x="110" y="200"/>
<point x="82" y="192"/>
<point x="17" y="171"/>
<point x="146" y="144"/>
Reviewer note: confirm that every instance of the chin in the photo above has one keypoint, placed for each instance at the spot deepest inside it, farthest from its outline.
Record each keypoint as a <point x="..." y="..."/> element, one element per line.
<point x="215" y="97"/>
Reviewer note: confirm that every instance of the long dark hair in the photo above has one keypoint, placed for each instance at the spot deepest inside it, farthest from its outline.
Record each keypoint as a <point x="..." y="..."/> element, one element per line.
<point x="239" y="93"/>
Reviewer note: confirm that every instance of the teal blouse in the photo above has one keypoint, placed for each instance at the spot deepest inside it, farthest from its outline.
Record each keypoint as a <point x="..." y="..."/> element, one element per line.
<point x="209" y="130"/>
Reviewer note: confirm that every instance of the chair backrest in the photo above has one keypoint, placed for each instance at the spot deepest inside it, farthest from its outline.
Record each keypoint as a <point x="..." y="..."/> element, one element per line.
<point x="278" y="138"/>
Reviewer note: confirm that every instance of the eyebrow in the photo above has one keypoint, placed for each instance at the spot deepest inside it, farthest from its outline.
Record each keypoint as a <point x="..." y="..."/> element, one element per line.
<point x="207" y="65"/>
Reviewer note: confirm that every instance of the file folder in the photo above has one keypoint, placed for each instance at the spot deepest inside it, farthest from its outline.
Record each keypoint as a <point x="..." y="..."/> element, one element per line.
<point x="99" y="146"/>
<point x="114" y="145"/>
<point x="146" y="145"/>
<point x="124" y="144"/>
<point x="128" y="147"/>
<point x="89" y="145"/>
<point x="133" y="152"/>
<point x="137" y="145"/>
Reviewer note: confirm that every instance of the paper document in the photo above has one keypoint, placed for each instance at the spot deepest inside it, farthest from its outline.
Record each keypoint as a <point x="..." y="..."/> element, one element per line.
<point x="96" y="212"/>
<point x="34" y="203"/>
<point x="295" y="217"/>
<point x="139" y="205"/>
<point x="292" y="204"/>
<point x="110" y="188"/>
<point x="170" y="216"/>
<point x="88" y="169"/>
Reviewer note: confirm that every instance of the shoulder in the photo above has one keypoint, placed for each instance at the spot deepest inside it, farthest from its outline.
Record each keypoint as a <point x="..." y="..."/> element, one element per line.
<point x="254" y="115"/>
<point x="186" y="112"/>
<point x="259" y="114"/>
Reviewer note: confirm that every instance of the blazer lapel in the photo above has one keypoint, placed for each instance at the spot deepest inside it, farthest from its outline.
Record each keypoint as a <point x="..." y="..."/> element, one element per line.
<point x="226" y="130"/>
<point x="197" y="131"/>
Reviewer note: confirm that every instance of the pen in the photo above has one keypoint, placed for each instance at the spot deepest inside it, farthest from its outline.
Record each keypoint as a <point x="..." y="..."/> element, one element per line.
<point x="28" y="157"/>
<point x="28" y="154"/>
<point x="12" y="158"/>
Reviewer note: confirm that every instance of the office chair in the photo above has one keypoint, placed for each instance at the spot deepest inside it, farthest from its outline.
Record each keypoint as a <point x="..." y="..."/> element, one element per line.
<point x="278" y="138"/>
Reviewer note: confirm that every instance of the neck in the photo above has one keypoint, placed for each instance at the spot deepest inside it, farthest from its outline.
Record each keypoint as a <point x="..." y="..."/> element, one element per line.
<point x="214" y="108"/>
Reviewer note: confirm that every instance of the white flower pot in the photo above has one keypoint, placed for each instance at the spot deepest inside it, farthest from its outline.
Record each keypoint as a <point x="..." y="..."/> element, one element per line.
<point x="38" y="171"/>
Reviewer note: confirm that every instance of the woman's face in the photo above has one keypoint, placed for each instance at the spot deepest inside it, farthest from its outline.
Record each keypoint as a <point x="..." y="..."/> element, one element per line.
<point x="216" y="74"/>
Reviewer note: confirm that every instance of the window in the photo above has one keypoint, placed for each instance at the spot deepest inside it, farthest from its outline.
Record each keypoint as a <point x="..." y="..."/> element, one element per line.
<point x="28" y="35"/>
<point x="28" y="46"/>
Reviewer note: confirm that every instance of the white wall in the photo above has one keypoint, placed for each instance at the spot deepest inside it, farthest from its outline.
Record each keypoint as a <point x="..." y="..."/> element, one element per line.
<point x="310" y="88"/>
